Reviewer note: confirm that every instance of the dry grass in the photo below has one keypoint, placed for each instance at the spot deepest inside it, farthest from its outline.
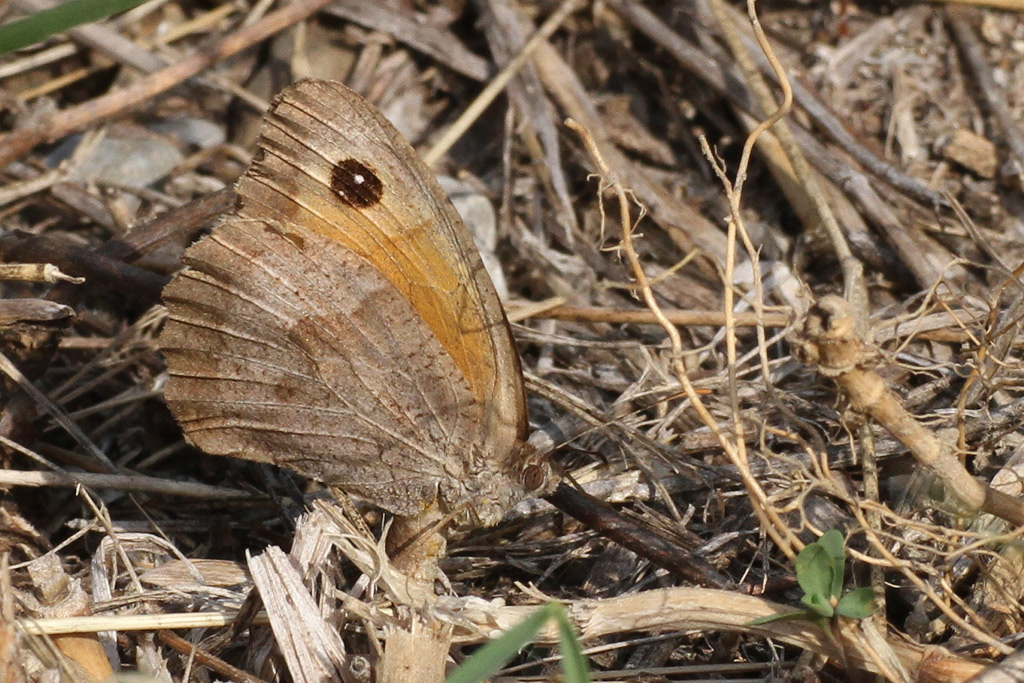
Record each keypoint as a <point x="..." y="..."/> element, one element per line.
<point x="661" y="271"/>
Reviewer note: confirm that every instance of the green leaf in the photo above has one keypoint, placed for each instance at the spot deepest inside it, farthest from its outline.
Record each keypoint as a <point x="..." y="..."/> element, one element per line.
<point x="834" y="543"/>
<point x="857" y="604"/>
<point x="815" y="569"/>
<point x="820" y="604"/>
<point x="41" y="25"/>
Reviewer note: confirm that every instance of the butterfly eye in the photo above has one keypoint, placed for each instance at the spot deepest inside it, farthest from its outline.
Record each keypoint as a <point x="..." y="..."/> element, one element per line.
<point x="534" y="477"/>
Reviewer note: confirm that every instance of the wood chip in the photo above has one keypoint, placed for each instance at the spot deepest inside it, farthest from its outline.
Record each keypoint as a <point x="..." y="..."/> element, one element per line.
<point x="973" y="152"/>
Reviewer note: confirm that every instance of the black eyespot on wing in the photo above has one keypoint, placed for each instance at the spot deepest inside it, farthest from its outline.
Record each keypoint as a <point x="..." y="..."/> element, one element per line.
<point x="356" y="184"/>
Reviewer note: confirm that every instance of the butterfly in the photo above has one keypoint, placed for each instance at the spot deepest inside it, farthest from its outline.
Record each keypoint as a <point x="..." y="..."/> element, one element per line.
<point x="340" y="322"/>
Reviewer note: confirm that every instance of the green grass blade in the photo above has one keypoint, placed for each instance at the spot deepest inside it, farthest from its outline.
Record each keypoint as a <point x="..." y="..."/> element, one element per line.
<point x="490" y="658"/>
<point x="802" y="615"/>
<point x="574" y="664"/>
<point x="41" y="25"/>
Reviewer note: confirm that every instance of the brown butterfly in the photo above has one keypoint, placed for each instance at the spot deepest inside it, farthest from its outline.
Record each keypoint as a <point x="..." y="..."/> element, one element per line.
<point x="340" y="322"/>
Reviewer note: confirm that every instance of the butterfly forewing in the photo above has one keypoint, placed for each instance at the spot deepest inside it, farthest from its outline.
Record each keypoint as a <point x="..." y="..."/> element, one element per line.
<point x="319" y="139"/>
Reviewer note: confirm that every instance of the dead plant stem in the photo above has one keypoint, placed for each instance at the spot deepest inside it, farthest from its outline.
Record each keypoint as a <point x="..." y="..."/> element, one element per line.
<point x="498" y="83"/>
<point x="853" y="271"/>
<point x="830" y="341"/>
<point x="924" y="586"/>
<point x="732" y="445"/>
<point x="772" y="522"/>
<point x="73" y="119"/>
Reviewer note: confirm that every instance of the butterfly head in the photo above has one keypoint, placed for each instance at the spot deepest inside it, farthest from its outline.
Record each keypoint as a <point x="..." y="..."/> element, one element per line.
<point x="486" y="499"/>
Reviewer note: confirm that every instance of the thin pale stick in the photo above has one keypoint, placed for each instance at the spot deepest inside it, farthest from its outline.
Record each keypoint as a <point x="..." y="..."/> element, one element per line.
<point x="494" y="88"/>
